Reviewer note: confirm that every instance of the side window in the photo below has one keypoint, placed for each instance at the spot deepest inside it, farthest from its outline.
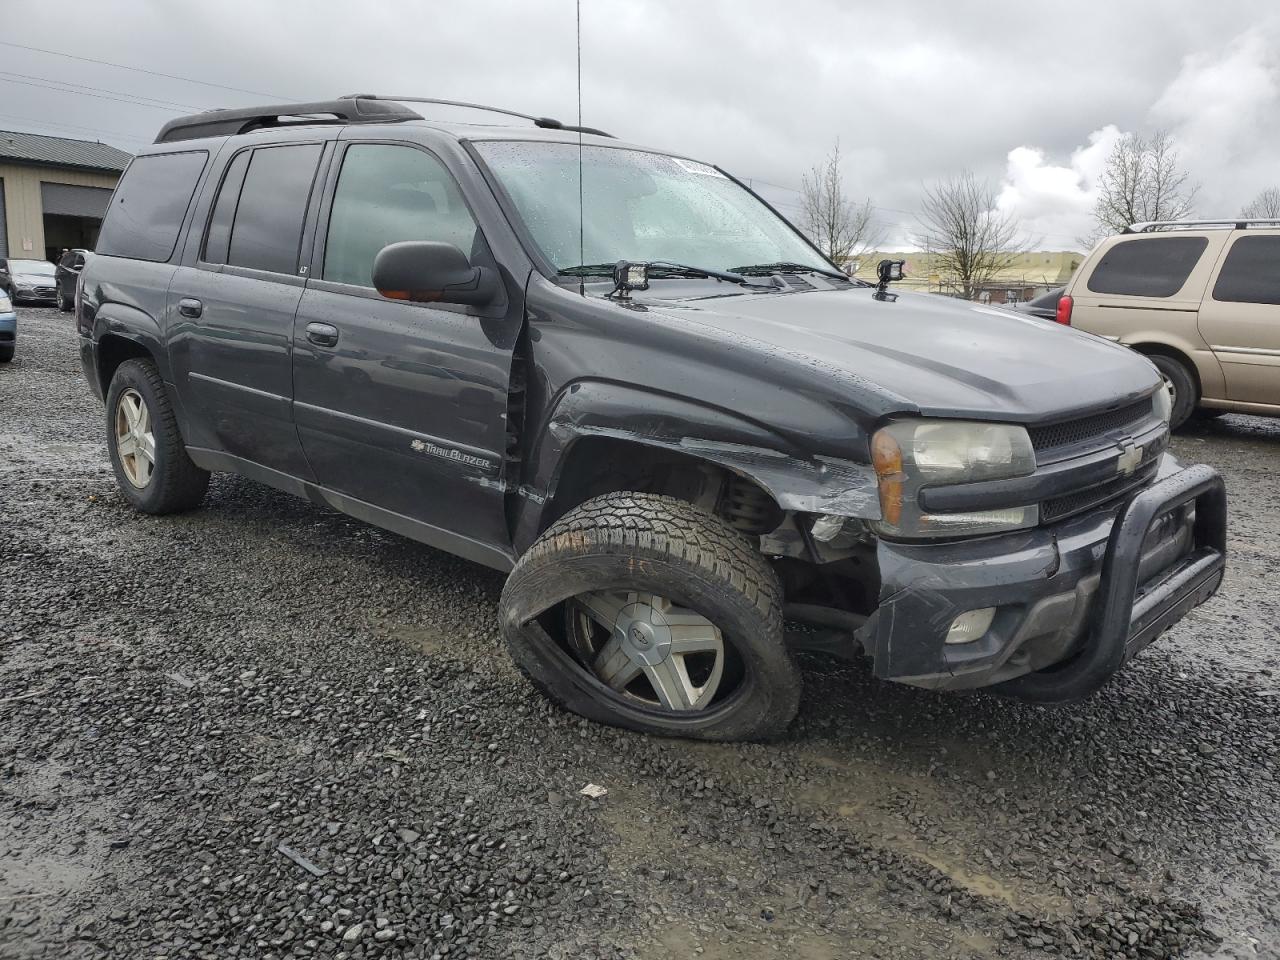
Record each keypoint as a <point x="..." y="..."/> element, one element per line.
<point x="386" y="194"/>
<point x="148" y="206"/>
<point x="218" y="239"/>
<point x="1251" y="272"/>
<point x="267" y="229"/>
<point x="1147" y="267"/>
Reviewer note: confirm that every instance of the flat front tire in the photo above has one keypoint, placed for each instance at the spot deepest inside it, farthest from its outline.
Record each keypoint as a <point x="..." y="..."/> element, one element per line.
<point x="646" y="612"/>
<point x="148" y="456"/>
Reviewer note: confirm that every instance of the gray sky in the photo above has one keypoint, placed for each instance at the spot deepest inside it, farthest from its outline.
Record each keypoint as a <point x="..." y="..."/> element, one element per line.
<point x="1028" y="95"/>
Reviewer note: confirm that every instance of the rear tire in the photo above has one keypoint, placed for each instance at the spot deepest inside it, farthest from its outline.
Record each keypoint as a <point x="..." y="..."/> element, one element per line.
<point x="165" y="481"/>
<point x="64" y="303"/>
<point x="1181" y="384"/>
<point x="660" y="547"/>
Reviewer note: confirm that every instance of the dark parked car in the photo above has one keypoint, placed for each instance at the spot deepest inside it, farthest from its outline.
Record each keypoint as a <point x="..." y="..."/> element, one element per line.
<point x="1044" y="306"/>
<point x="66" y="275"/>
<point x="662" y="411"/>
<point x="28" y="281"/>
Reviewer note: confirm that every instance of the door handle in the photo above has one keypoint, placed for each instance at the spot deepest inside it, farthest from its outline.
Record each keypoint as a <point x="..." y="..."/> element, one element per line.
<point x="190" y="307"/>
<point x="322" y="334"/>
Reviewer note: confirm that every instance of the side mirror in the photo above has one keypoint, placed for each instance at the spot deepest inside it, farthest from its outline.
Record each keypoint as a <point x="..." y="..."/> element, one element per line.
<point x="425" y="271"/>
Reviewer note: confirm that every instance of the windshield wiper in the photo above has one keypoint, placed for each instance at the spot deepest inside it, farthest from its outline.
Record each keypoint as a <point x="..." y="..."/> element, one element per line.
<point x="588" y="270"/>
<point x="661" y="269"/>
<point x="786" y="266"/>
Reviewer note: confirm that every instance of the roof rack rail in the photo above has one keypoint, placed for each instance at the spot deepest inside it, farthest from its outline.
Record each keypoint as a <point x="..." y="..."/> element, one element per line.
<point x="1230" y="223"/>
<point x="223" y="123"/>
<point x="547" y="123"/>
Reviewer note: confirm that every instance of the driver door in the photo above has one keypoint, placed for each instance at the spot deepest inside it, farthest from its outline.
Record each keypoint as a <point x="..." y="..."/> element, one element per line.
<point x="402" y="406"/>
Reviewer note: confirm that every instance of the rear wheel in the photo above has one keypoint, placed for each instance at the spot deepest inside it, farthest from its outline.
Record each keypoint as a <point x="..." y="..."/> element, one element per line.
<point x="646" y="612"/>
<point x="150" y="460"/>
<point x="1181" y="386"/>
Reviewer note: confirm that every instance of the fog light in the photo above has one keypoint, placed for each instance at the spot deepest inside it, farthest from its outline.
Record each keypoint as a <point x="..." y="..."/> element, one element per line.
<point x="970" y="625"/>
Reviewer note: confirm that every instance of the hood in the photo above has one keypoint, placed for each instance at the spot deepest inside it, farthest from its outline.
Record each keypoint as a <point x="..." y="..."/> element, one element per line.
<point x="934" y="354"/>
<point x="34" y="279"/>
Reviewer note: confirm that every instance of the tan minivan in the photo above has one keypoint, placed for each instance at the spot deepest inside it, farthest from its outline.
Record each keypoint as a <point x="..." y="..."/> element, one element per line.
<point x="1201" y="298"/>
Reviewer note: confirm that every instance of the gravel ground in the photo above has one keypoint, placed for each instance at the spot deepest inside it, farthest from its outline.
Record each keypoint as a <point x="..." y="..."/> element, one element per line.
<point x="265" y="730"/>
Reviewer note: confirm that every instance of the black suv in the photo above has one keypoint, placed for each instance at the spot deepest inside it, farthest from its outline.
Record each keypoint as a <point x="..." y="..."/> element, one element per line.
<point x="621" y="376"/>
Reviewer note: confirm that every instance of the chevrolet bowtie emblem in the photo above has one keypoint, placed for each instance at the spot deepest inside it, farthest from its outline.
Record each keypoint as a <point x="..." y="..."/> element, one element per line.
<point x="1130" y="457"/>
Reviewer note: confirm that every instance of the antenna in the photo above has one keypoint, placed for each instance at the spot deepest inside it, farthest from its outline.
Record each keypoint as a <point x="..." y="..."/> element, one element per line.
<point x="582" y="242"/>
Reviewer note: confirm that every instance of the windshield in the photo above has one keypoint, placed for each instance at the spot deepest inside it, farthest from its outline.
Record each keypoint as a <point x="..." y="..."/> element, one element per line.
<point x="639" y="206"/>
<point x="43" y="267"/>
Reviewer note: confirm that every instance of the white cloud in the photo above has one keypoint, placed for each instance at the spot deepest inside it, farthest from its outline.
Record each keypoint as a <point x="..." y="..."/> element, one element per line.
<point x="1054" y="201"/>
<point x="1222" y="109"/>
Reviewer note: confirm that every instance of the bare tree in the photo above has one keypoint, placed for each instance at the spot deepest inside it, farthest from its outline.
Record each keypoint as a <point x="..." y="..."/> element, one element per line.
<point x="970" y="240"/>
<point x="1265" y="206"/>
<point x="1142" y="181"/>
<point x="843" y="228"/>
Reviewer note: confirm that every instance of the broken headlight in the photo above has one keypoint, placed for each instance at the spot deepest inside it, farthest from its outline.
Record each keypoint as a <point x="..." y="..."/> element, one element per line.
<point x="913" y="454"/>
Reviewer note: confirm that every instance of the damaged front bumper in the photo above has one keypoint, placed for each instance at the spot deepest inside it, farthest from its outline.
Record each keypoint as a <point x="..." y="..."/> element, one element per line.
<point x="1073" y="601"/>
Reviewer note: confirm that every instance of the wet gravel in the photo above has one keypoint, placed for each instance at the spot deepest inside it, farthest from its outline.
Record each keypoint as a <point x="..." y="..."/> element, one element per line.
<point x="265" y="730"/>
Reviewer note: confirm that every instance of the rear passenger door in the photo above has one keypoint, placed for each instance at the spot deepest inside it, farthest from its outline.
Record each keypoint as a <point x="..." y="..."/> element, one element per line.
<point x="232" y="308"/>
<point x="402" y="405"/>
<point x="1240" y="317"/>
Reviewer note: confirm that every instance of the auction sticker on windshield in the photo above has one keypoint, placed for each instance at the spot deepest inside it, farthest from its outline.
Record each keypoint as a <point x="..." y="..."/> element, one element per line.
<point x="692" y="166"/>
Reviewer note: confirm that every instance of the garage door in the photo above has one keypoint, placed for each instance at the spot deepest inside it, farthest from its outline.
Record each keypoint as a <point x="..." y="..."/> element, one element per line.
<point x="68" y="200"/>
<point x="4" y="226"/>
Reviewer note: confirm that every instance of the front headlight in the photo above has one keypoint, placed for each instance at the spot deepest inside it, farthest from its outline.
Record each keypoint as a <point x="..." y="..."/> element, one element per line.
<point x="6" y="305"/>
<point x="1162" y="403"/>
<point x="913" y="454"/>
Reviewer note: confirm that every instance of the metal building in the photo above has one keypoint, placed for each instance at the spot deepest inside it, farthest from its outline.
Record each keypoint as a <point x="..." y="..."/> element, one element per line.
<point x="53" y="192"/>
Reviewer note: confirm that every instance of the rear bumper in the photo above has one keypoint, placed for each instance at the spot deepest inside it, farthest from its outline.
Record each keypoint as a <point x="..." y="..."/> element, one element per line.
<point x="1073" y="601"/>
<point x="8" y="327"/>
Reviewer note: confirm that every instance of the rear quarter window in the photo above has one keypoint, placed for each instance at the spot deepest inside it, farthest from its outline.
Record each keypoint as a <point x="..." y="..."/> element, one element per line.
<point x="1147" y="266"/>
<point x="1251" y="272"/>
<point x="149" y="205"/>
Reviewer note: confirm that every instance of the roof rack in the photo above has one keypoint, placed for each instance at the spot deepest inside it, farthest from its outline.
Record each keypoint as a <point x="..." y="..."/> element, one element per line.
<point x="547" y="123"/>
<point x="223" y="123"/>
<point x="1235" y="223"/>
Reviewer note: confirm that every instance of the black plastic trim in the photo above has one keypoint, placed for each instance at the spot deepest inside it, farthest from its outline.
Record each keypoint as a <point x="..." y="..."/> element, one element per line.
<point x="1126" y="620"/>
<point x="222" y="123"/>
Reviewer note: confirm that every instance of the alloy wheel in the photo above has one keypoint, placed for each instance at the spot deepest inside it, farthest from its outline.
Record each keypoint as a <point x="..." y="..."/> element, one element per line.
<point x="135" y="441"/>
<point x="648" y="649"/>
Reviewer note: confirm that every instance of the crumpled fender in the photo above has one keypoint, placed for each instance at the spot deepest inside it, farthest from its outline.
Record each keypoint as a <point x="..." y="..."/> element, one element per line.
<point x="798" y="482"/>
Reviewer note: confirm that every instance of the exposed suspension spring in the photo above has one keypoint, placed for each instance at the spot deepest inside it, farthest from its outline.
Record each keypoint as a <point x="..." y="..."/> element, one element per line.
<point x="747" y="507"/>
